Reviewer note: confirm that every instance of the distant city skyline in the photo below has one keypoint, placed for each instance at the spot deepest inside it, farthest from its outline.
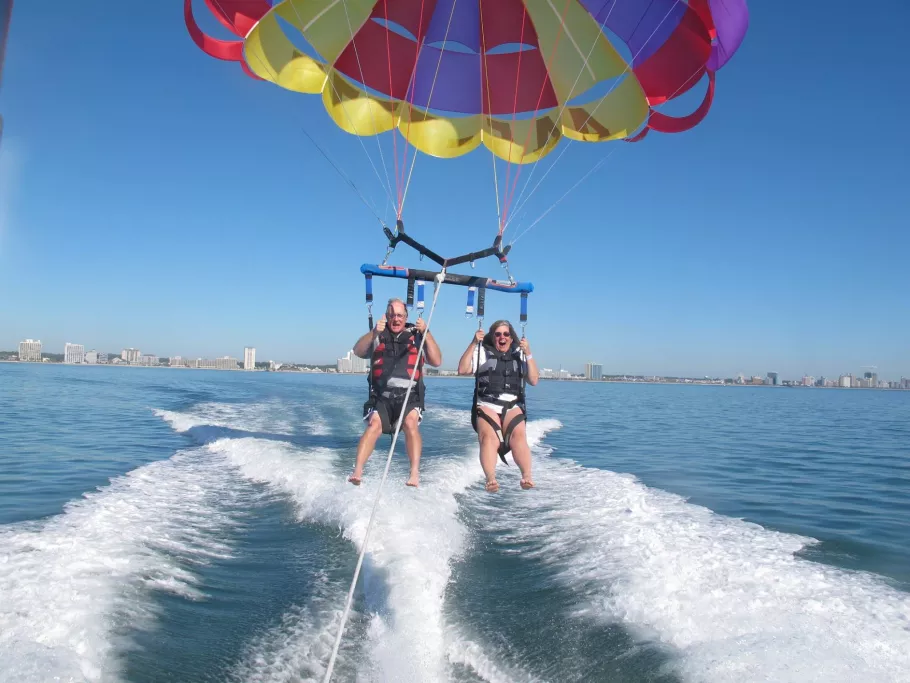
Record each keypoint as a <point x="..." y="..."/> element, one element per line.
<point x="349" y="363"/>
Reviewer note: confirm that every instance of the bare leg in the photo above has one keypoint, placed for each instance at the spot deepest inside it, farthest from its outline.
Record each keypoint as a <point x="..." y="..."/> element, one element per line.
<point x="414" y="442"/>
<point x="521" y="452"/>
<point x="489" y="449"/>
<point x="365" y="447"/>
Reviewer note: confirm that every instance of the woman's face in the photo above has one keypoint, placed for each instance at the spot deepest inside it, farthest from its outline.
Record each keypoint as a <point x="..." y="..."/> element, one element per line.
<point x="503" y="338"/>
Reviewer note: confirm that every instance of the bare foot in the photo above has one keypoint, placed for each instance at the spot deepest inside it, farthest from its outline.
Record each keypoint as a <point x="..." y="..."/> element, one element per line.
<point x="492" y="486"/>
<point x="354" y="479"/>
<point x="413" y="480"/>
<point x="526" y="483"/>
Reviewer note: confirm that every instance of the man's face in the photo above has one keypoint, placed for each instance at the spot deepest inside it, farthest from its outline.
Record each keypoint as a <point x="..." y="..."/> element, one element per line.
<point x="397" y="316"/>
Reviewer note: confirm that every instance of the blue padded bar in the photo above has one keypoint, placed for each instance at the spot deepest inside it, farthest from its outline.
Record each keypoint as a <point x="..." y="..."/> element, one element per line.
<point x="450" y="278"/>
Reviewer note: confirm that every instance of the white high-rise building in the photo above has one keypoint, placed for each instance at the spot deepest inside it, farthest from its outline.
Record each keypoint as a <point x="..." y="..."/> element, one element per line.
<point x="131" y="355"/>
<point x="73" y="353"/>
<point x="30" y="351"/>
<point x="249" y="358"/>
<point x="351" y="364"/>
<point x="594" y="371"/>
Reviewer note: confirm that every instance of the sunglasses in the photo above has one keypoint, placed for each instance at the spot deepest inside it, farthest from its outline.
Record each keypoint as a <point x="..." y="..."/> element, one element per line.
<point x="507" y="335"/>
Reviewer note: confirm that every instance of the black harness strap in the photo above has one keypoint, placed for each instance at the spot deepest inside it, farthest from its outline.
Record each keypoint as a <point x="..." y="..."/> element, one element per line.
<point x="504" y="437"/>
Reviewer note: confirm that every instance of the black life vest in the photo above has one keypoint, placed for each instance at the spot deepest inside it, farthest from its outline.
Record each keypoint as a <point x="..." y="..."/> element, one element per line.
<point x="501" y="373"/>
<point x="395" y="356"/>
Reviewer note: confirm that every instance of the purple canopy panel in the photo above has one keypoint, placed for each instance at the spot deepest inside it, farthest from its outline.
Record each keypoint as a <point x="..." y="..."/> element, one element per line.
<point x="457" y="87"/>
<point x="731" y="19"/>
<point x="643" y="26"/>
<point x="463" y="25"/>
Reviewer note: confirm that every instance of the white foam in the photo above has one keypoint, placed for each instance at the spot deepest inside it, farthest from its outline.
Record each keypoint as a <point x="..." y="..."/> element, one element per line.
<point x="415" y="537"/>
<point x="730" y="596"/>
<point x="271" y="416"/>
<point x="299" y="647"/>
<point x="72" y="586"/>
<point x="469" y="653"/>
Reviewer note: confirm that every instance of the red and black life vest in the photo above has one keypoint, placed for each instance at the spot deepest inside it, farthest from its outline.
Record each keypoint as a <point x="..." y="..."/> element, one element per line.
<point x="394" y="357"/>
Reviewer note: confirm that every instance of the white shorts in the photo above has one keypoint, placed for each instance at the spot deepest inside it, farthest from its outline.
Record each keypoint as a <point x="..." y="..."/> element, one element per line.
<point x="497" y="409"/>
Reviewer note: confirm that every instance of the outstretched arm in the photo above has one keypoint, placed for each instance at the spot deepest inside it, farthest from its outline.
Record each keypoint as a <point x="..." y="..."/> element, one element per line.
<point x="464" y="364"/>
<point x="533" y="373"/>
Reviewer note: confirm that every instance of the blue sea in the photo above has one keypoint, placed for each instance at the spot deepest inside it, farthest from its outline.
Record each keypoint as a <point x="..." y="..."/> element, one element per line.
<point x="197" y="526"/>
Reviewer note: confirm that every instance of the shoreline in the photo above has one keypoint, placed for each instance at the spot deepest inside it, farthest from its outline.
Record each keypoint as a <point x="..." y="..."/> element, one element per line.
<point x="576" y="380"/>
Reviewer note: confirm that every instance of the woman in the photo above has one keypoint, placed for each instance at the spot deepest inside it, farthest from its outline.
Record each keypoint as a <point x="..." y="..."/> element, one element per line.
<point x="501" y="364"/>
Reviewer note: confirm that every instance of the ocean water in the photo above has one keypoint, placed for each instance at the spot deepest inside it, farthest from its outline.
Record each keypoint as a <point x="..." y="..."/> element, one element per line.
<point x="187" y="526"/>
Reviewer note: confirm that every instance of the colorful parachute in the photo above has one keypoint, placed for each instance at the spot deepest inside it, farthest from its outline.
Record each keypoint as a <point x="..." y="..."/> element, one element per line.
<point x="513" y="75"/>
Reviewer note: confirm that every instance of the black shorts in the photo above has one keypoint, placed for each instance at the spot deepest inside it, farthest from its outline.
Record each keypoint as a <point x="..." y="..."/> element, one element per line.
<point x="389" y="410"/>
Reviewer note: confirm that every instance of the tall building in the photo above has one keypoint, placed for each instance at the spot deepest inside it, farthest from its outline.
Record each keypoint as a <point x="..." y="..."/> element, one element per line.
<point x="30" y="351"/>
<point x="249" y="358"/>
<point x="223" y="363"/>
<point x="91" y="357"/>
<point x="594" y="371"/>
<point x="73" y="353"/>
<point x="131" y="355"/>
<point x="773" y="380"/>
<point x="352" y="364"/>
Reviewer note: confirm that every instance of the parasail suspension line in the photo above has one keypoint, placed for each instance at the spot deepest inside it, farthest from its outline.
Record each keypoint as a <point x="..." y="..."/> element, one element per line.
<point x="590" y="116"/>
<point x="439" y="279"/>
<point x="445" y="39"/>
<point x="341" y="173"/>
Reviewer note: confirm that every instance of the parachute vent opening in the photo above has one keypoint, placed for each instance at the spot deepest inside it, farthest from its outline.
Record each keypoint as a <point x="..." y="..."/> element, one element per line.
<point x="298" y="40"/>
<point x="395" y="28"/>
<point x="511" y="48"/>
<point x="451" y="46"/>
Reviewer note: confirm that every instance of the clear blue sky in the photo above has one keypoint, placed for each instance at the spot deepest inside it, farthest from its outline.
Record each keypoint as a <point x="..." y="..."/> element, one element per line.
<point x="154" y="197"/>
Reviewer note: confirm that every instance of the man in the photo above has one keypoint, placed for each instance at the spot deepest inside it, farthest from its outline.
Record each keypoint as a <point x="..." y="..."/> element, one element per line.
<point x="393" y="345"/>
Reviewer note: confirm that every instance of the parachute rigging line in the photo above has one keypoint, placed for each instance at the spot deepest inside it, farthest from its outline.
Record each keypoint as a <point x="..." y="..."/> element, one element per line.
<point x="615" y="83"/>
<point x="341" y="173"/>
<point x="338" y="95"/>
<point x="366" y="538"/>
<point x="445" y="40"/>
<point x="507" y="198"/>
<point x="385" y="166"/>
<point x="485" y="72"/>
<point x="566" y="104"/>
<point x="592" y="170"/>
<point x="410" y="103"/>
